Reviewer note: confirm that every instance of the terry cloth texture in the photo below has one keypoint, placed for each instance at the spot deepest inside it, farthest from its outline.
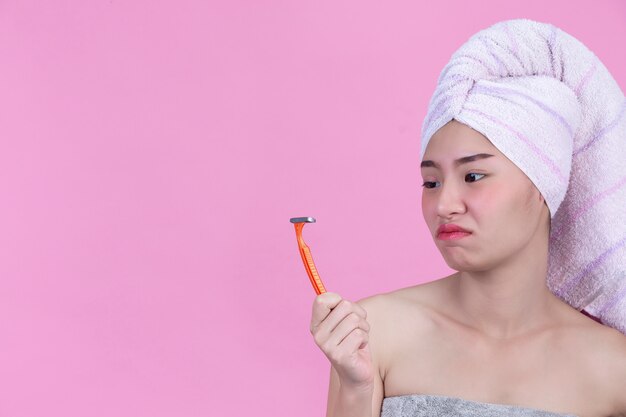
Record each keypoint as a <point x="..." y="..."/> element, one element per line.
<point x="422" y="405"/>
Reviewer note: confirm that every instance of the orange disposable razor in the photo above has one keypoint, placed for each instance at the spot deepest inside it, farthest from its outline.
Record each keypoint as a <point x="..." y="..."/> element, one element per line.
<point x="305" y="252"/>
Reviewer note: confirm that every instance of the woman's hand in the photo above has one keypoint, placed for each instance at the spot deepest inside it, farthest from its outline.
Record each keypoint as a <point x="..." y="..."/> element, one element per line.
<point x="341" y="330"/>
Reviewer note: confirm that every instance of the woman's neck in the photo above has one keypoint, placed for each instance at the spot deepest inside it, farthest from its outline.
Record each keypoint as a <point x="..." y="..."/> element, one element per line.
<point x="506" y="301"/>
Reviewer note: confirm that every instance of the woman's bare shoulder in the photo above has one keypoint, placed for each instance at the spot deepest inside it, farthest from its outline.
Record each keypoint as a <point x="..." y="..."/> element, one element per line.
<point x="399" y="298"/>
<point x="599" y="352"/>
<point x="405" y="307"/>
<point x="589" y="336"/>
<point x="606" y="349"/>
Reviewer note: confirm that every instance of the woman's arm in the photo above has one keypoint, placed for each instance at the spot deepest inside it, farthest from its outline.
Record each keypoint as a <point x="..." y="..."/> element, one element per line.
<point x="343" y="402"/>
<point x="346" y="403"/>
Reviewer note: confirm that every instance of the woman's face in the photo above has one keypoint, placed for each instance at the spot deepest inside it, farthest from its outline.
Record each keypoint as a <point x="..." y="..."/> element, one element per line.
<point x="489" y="196"/>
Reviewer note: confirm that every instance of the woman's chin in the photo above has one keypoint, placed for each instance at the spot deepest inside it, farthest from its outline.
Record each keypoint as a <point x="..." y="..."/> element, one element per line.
<point x="463" y="264"/>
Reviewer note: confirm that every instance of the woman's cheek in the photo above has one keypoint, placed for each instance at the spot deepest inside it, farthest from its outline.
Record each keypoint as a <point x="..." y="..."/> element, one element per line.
<point x="486" y="200"/>
<point x="429" y="211"/>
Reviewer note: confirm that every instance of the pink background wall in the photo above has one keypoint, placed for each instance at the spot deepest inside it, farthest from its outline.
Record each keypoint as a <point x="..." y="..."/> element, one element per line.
<point x="151" y="156"/>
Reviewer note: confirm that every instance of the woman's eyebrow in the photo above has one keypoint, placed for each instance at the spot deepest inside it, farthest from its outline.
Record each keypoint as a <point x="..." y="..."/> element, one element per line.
<point x="463" y="160"/>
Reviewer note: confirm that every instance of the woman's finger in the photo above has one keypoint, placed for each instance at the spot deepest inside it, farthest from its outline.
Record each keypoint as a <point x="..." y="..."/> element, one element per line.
<point x="323" y="305"/>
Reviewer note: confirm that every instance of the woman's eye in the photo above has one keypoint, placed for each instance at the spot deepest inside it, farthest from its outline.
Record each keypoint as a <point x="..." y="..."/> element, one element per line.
<point x="474" y="173"/>
<point x="430" y="184"/>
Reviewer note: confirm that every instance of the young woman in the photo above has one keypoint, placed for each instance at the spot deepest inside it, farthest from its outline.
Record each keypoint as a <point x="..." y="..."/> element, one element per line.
<point x="494" y="338"/>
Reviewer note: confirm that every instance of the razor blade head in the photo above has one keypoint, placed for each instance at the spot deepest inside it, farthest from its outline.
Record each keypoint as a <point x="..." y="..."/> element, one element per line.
<point x="302" y="220"/>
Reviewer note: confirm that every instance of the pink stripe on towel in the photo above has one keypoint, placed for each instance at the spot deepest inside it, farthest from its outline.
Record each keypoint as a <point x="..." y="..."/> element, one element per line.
<point x="553" y="167"/>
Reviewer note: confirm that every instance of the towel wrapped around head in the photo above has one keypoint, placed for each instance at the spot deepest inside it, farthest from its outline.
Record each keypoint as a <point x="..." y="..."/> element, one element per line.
<point x="549" y="105"/>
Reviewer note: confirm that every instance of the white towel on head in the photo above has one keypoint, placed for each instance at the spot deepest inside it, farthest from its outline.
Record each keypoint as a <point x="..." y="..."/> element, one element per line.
<point x="550" y="106"/>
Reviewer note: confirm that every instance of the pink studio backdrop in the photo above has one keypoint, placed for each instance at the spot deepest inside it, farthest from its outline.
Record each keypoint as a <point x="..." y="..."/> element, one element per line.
<point x="152" y="153"/>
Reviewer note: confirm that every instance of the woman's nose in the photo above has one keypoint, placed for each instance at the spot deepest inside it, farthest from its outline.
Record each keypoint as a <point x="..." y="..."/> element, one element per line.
<point x="450" y="200"/>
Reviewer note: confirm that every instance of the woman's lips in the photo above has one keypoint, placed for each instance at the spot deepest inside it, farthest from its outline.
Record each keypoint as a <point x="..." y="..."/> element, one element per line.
<point x="450" y="231"/>
<point x="452" y="235"/>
